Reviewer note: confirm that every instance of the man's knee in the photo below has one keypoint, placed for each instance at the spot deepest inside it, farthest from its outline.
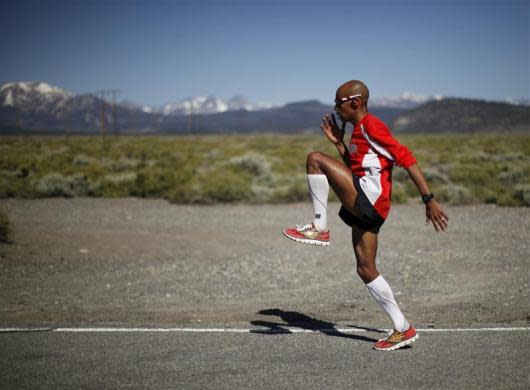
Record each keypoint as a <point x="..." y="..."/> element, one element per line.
<point x="367" y="274"/>
<point x="313" y="162"/>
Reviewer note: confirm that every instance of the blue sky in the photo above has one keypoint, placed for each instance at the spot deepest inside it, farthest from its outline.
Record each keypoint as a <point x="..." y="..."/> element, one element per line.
<point x="269" y="51"/>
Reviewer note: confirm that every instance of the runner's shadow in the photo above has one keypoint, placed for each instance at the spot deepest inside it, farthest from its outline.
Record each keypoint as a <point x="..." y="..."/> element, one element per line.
<point x="299" y="320"/>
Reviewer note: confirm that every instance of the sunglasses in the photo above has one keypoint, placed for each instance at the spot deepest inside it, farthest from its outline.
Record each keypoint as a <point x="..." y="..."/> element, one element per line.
<point x="338" y="102"/>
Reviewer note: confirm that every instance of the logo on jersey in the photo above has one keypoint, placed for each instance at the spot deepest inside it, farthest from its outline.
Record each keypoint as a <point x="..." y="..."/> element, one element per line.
<point x="352" y="148"/>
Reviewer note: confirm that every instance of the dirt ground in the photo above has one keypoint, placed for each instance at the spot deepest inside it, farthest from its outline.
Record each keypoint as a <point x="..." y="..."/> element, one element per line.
<point x="150" y="263"/>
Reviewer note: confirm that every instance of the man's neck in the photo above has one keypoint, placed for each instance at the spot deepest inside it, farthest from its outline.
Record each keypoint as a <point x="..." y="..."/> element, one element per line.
<point x="359" y="115"/>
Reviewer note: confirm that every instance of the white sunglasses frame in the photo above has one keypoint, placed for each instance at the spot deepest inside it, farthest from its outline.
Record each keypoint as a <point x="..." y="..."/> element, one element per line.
<point x="346" y="98"/>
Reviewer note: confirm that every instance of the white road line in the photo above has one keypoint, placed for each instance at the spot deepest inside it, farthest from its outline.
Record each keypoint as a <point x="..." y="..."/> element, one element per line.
<point x="251" y="330"/>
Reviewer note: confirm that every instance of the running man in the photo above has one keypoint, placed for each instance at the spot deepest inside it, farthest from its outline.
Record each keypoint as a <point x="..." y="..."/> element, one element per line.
<point x="363" y="183"/>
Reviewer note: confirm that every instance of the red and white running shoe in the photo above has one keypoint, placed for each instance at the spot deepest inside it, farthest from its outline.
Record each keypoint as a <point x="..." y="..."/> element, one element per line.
<point x="396" y="340"/>
<point x="308" y="234"/>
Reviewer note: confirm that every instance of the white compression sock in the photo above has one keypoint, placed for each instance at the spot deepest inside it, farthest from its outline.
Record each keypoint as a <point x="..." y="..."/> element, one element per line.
<point x="319" y="190"/>
<point x="382" y="293"/>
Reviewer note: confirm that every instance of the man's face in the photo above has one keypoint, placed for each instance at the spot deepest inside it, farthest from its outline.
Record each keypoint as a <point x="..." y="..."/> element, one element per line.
<point x="340" y="110"/>
<point x="344" y="109"/>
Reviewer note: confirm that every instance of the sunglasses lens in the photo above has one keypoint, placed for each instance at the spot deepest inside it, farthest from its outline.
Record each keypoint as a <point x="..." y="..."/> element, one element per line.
<point x="338" y="102"/>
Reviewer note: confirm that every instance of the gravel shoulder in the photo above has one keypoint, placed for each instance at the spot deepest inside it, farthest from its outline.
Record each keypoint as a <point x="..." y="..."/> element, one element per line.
<point x="150" y="263"/>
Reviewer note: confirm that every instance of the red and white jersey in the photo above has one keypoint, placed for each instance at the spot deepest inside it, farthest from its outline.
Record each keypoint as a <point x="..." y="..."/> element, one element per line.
<point x="373" y="152"/>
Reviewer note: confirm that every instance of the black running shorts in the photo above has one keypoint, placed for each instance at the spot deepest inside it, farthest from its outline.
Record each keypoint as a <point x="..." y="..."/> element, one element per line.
<point x="369" y="219"/>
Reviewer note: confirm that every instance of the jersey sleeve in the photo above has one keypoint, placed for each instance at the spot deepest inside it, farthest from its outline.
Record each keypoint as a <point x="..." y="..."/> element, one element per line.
<point x="380" y="139"/>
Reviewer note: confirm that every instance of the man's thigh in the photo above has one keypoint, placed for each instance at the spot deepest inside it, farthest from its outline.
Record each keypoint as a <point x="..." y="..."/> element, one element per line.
<point x="340" y="179"/>
<point x="364" y="246"/>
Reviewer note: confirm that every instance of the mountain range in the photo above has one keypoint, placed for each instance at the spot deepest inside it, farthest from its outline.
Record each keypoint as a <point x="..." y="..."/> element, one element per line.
<point x="37" y="107"/>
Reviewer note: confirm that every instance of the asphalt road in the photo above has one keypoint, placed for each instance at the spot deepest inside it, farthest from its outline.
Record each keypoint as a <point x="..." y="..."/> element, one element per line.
<point x="147" y="263"/>
<point x="456" y="360"/>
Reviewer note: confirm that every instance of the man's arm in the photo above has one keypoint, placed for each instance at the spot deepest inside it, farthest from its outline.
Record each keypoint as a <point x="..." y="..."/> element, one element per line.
<point x="344" y="153"/>
<point x="418" y="178"/>
<point x="336" y="136"/>
<point x="433" y="210"/>
<point x="387" y="145"/>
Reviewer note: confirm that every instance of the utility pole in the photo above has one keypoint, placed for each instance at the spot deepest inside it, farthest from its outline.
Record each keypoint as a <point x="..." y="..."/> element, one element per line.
<point x="17" y="120"/>
<point x="113" y="93"/>
<point x="102" y="113"/>
<point x="103" y="125"/>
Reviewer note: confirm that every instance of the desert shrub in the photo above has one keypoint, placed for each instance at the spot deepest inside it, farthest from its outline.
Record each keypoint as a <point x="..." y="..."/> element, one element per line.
<point x="522" y="193"/>
<point x="52" y="150"/>
<point x="399" y="193"/>
<point x="226" y="186"/>
<point x="185" y="194"/>
<point x="254" y="163"/>
<point x="125" y="164"/>
<point x="513" y="174"/>
<point x="294" y="191"/>
<point x="399" y="175"/>
<point x="258" y="168"/>
<point x="58" y="185"/>
<point x="6" y="183"/>
<point x="82" y="186"/>
<point x="434" y="176"/>
<point x="81" y="159"/>
<point x="518" y="195"/>
<point x="152" y="182"/>
<point x="261" y="193"/>
<point x="120" y="178"/>
<point x="5" y="187"/>
<point x="54" y="184"/>
<point x="213" y="154"/>
<point x="5" y="228"/>
<point x="16" y="187"/>
<point x="455" y="194"/>
<point x="118" y="184"/>
<point x="185" y="188"/>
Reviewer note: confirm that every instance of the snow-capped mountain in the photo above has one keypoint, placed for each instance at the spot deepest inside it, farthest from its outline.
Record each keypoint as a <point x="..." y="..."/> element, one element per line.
<point x="33" y="96"/>
<point x="40" y="107"/>
<point x="406" y="100"/>
<point x="209" y="105"/>
<point x="518" y="101"/>
<point x="39" y="104"/>
<point x="195" y="105"/>
<point x="238" y="102"/>
<point x="133" y="106"/>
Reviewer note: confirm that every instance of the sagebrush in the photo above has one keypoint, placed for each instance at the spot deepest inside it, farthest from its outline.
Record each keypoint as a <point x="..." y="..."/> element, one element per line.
<point x="460" y="168"/>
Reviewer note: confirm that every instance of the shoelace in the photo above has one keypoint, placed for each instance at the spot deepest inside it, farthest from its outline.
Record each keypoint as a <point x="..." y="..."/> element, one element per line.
<point x="395" y="337"/>
<point x="303" y="228"/>
<point x="389" y="334"/>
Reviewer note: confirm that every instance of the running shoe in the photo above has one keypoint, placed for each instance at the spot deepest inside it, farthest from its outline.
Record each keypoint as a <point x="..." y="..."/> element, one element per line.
<point x="396" y="340"/>
<point x="308" y="234"/>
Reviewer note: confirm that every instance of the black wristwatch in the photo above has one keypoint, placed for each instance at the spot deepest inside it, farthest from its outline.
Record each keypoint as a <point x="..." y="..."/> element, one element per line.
<point x="427" y="198"/>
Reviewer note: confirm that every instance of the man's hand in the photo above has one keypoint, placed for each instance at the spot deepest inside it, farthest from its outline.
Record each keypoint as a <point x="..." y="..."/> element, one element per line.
<point x="435" y="214"/>
<point x="331" y="129"/>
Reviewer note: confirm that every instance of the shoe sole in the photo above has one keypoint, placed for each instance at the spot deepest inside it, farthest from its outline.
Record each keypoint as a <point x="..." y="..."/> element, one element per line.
<point x="399" y="345"/>
<point x="307" y="240"/>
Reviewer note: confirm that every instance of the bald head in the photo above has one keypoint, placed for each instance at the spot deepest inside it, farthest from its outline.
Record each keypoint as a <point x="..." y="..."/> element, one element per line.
<point x="354" y="87"/>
